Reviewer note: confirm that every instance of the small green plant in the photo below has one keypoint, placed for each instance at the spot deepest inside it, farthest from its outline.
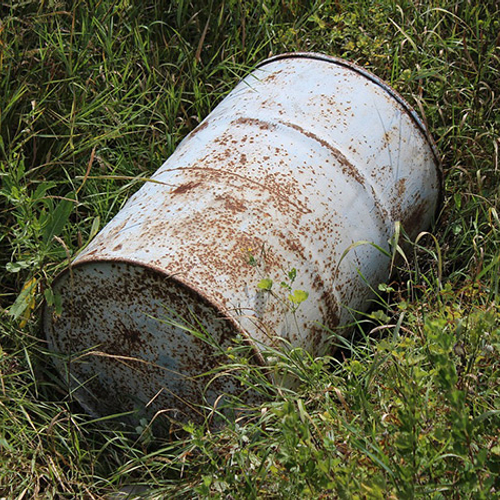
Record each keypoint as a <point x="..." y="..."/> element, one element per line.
<point x="295" y="296"/>
<point x="39" y="220"/>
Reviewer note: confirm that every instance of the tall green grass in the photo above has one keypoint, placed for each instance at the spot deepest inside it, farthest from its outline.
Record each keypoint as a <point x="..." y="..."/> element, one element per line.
<point x="94" y="95"/>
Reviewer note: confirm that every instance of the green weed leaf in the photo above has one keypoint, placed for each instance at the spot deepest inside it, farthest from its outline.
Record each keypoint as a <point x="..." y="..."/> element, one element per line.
<point x="24" y="300"/>
<point x="265" y="284"/>
<point x="57" y="220"/>
<point x="15" y="267"/>
<point x="298" y="296"/>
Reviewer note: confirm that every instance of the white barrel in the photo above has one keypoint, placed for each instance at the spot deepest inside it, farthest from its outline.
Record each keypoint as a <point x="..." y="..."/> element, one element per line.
<point x="306" y="157"/>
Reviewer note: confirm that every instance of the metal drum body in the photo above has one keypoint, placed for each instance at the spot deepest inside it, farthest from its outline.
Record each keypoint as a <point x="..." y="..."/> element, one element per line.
<point x="307" y="156"/>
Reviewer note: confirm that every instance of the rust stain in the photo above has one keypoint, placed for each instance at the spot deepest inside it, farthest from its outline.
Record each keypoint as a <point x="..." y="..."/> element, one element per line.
<point x="412" y="220"/>
<point x="132" y="337"/>
<point x="401" y="187"/>
<point x="199" y="128"/>
<point x="261" y="124"/>
<point x="272" y="77"/>
<point x="276" y="193"/>
<point x="184" y="188"/>
<point x="119" y="227"/>
<point x="233" y="205"/>
<point x="347" y="167"/>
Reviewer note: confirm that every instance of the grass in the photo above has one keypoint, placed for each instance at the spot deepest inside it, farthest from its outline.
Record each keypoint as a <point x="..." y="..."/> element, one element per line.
<point x="94" y="95"/>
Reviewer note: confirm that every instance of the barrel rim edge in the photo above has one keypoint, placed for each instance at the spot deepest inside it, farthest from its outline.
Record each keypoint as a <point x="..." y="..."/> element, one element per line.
<point x="375" y="79"/>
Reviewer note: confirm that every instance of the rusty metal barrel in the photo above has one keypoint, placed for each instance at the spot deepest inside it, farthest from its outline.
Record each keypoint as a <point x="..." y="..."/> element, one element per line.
<point x="265" y="203"/>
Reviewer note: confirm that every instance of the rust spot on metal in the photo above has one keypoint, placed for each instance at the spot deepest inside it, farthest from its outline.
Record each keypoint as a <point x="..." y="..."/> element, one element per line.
<point x="120" y="226"/>
<point x="184" y="188"/>
<point x="132" y="337"/>
<point x="199" y="128"/>
<point x="412" y="220"/>
<point x="261" y="124"/>
<point x="401" y="187"/>
<point x="272" y="77"/>
<point x="233" y="205"/>
<point x="347" y="167"/>
<point x="276" y="193"/>
<point x="117" y="247"/>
